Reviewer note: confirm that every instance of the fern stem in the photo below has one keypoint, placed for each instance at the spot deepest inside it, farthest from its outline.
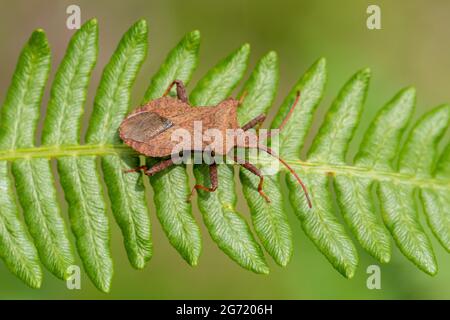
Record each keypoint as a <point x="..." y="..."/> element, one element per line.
<point x="329" y="169"/>
<point x="62" y="151"/>
<point x="375" y="174"/>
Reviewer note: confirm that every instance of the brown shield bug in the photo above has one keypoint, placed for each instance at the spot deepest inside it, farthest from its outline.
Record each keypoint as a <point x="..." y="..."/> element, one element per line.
<point x="149" y="130"/>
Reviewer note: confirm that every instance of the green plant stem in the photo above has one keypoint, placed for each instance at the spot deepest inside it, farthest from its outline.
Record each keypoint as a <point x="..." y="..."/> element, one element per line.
<point x="330" y="169"/>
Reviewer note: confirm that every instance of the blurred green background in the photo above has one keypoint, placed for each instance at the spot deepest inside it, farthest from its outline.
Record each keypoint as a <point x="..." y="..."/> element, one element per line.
<point x="413" y="47"/>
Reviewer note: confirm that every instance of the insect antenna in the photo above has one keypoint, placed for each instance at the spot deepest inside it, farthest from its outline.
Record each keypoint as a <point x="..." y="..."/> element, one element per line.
<point x="291" y="111"/>
<point x="273" y="154"/>
<point x="169" y="88"/>
<point x="242" y="98"/>
<point x="288" y="116"/>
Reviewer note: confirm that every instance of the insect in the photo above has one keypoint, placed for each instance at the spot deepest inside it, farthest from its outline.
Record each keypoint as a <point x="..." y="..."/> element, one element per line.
<point x="149" y="130"/>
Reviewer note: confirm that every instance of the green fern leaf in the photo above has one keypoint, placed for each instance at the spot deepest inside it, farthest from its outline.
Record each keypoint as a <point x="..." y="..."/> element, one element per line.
<point x="330" y="146"/>
<point x="269" y="219"/>
<point x="437" y="201"/>
<point x="180" y="64"/>
<point x="260" y="88"/>
<point x="19" y="117"/>
<point x="171" y="187"/>
<point x="79" y="177"/>
<point x="37" y="193"/>
<point x="218" y="83"/>
<point x="83" y="191"/>
<point x="398" y="204"/>
<point x="111" y="104"/>
<point x="311" y="87"/>
<point x="397" y="176"/>
<point x="226" y="227"/>
<point x="378" y="150"/>
<point x="443" y="165"/>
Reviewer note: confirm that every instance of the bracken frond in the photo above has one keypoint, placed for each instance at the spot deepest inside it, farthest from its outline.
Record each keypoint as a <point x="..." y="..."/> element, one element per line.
<point x="397" y="177"/>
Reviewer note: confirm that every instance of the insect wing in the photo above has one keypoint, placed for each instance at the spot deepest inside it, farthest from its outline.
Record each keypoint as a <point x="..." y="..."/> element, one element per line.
<point x="144" y="125"/>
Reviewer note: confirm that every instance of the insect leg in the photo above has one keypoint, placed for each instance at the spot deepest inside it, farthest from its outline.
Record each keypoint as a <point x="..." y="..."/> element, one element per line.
<point x="250" y="167"/>
<point x="160" y="166"/>
<point x="260" y="119"/>
<point x="255" y="121"/>
<point x="181" y="90"/>
<point x="214" y="182"/>
<point x="137" y="169"/>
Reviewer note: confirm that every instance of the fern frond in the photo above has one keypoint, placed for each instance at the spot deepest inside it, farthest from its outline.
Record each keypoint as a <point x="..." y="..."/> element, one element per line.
<point x="78" y="175"/>
<point x="330" y="146"/>
<point x="269" y="219"/>
<point x="19" y="117"/>
<point x="225" y="225"/>
<point x="397" y="201"/>
<point x="111" y="104"/>
<point x="174" y="213"/>
<point x="396" y="176"/>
